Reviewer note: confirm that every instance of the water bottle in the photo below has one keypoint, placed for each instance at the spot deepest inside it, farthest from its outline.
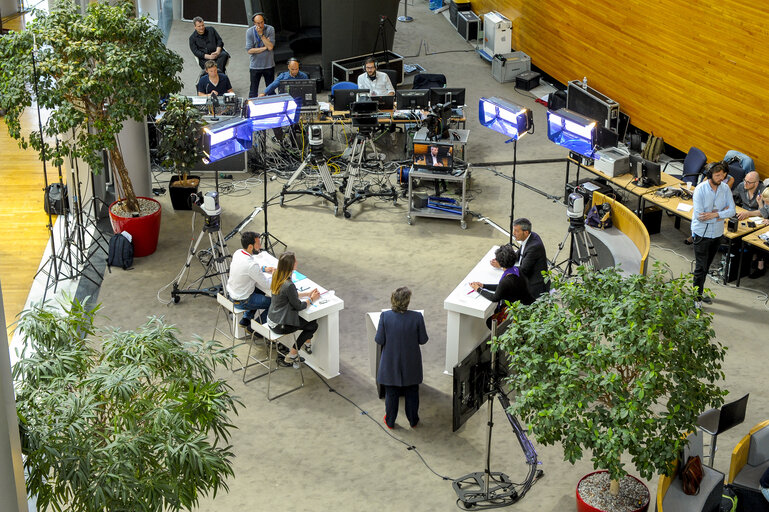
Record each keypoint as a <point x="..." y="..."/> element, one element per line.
<point x="584" y="82"/>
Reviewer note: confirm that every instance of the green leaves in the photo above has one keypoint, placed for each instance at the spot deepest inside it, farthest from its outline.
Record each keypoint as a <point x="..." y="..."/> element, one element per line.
<point x="140" y="423"/>
<point x="617" y="365"/>
<point x="180" y="132"/>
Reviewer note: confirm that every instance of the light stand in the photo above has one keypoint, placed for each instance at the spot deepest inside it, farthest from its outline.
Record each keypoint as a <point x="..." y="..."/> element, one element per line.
<point x="405" y="18"/>
<point x="381" y="35"/>
<point x="489" y="489"/>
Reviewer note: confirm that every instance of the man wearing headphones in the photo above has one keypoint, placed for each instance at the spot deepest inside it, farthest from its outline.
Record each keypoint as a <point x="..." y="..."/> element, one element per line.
<point x="713" y="202"/>
<point x="376" y="82"/>
<point x="293" y="73"/>
<point x="260" y="42"/>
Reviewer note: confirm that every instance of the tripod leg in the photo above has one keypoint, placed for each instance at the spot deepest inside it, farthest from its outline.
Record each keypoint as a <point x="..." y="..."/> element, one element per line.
<point x="296" y="174"/>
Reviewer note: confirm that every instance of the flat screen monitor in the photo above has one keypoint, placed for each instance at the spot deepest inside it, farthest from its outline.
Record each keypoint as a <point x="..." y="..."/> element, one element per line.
<point x="384" y="102"/>
<point x="635" y="165"/>
<point x="443" y="95"/>
<point x="438" y="157"/>
<point x="652" y="175"/>
<point x="306" y="90"/>
<point x="343" y="98"/>
<point x="414" y="99"/>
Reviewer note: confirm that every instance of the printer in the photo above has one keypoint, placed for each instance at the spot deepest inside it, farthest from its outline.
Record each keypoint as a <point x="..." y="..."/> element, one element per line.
<point x="612" y="161"/>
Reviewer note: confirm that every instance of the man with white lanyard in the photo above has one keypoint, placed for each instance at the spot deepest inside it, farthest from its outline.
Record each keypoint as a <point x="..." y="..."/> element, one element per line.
<point x="248" y="277"/>
<point x="713" y="202"/>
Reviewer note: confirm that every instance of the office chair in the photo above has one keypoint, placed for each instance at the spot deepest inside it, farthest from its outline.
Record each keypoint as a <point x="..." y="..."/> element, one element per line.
<point x="342" y="85"/>
<point x="715" y="421"/>
<point x="393" y="77"/>
<point x="429" y="81"/>
<point x="693" y="164"/>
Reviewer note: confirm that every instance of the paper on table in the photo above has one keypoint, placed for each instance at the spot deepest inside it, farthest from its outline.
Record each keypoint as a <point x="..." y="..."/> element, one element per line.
<point x="683" y="207"/>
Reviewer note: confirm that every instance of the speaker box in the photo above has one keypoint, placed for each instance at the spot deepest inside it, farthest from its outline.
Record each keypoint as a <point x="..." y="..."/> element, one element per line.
<point x="527" y="81"/>
<point x="652" y="219"/>
<point x="419" y="201"/>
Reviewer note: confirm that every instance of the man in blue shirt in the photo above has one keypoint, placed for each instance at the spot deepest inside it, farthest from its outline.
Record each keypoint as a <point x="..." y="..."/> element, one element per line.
<point x="293" y="73"/>
<point x="713" y="202"/>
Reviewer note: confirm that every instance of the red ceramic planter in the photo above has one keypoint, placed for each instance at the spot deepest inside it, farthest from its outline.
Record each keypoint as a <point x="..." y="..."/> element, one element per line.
<point x="144" y="230"/>
<point x="584" y="507"/>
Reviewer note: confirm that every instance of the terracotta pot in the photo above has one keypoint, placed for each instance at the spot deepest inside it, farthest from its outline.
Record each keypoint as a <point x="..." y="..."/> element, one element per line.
<point x="144" y="230"/>
<point x="584" y="507"/>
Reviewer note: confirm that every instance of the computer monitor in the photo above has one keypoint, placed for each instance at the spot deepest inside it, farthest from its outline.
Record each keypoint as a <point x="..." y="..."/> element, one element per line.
<point x="304" y="90"/>
<point x="444" y="95"/>
<point x="414" y="99"/>
<point x="651" y="174"/>
<point x="343" y="98"/>
<point x="384" y="102"/>
<point x="437" y="157"/>
<point x="636" y="163"/>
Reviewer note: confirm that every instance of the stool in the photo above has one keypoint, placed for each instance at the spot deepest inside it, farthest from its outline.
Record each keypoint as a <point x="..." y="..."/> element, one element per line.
<point x="271" y="337"/>
<point x="235" y="330"/>
<point x="715" y="421"/>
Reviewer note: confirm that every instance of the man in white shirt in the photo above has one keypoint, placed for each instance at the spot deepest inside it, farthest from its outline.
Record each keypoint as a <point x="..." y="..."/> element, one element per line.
<point x="248" y="285"/>
<point x="376" y="82"/>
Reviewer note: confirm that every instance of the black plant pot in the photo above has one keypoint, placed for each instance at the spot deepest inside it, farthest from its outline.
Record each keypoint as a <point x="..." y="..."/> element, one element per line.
<point x="180" y="196"/>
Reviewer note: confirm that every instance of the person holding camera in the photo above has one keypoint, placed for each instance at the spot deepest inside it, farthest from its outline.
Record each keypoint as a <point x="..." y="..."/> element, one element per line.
<point x="712" y="203"/>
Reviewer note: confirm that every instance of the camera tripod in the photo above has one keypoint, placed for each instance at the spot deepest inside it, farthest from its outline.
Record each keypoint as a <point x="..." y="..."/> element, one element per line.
<point x="314" y="157"/>
<point x="214" y="262"/>
<point x="352" y="175"/>
<point x="585" y="250"/>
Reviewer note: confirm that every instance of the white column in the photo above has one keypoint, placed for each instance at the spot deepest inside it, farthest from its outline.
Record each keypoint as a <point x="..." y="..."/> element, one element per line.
<point x="134" y="142"/>
<point x="12" y="487"/>
<point x="8" y="7"/>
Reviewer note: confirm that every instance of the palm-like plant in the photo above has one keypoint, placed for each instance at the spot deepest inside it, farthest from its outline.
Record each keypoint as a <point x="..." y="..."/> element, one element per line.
<point x="120" y="420"/>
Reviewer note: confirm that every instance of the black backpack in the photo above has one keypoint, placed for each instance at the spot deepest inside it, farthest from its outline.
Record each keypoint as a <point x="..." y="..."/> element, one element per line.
<point x="121" y="252"/>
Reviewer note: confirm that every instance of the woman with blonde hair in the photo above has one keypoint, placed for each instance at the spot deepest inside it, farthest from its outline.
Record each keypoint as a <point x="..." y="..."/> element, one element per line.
<point x="283" y="316"/>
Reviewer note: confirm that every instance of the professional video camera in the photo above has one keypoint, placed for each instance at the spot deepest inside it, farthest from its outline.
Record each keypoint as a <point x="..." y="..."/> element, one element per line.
<point x="437" y="121"/>
<point x="208" y="205"/>
<point x="315" y="138"/>
<point x="575" y="207"/>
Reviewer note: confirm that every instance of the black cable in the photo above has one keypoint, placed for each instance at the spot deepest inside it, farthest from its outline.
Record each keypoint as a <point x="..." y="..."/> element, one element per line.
<point x="409" y="447"/>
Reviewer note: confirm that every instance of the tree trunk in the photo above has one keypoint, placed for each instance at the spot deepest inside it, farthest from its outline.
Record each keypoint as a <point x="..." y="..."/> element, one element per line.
<point x="123" y="187"/>
<point x="614" y="487"/>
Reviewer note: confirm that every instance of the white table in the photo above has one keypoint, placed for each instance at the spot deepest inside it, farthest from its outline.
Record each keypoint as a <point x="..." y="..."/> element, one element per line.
<point x="325" y="343"/>
<point x="467" y="312"/>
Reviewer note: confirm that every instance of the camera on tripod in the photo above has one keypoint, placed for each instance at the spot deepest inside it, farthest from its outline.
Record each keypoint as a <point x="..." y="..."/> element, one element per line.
<point x="575" y="207"/>
<point x="208" y="205"/>
<point x="315" y="138"/>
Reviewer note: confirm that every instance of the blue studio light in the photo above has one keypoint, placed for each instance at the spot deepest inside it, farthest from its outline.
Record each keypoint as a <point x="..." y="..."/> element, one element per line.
<point x="572" y="131"/>
<point x="273" y="111"/>
<point x="505" y="117"/>
<point x="226" y="138"/>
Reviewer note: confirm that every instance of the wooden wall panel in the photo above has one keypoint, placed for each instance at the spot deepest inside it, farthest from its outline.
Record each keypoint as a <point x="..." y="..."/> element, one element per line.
<point x="693" y="72"/>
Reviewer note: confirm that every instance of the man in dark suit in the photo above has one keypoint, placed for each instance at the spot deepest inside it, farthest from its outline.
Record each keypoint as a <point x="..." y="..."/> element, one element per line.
<point x="532" y="258"/>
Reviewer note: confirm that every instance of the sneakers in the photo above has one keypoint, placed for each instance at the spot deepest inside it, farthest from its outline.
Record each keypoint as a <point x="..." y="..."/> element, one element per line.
<point x="294" y="359"/>
<point x="307" y="347"/>
<point x="245" y="322"/>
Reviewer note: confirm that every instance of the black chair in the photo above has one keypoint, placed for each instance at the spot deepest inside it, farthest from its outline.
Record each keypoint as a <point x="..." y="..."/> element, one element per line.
<point x="429" y="81"/>
<point x="694" y="163"/>
<point x="393" y="76"/>
<point x="715" y="421"/>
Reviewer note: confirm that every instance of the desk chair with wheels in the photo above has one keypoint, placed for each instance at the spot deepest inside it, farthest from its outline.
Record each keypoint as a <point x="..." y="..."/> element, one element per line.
<point x="715" y="421"/>
<point x="341" y="85"/>
<point x="694" y="163"/>
<point x="272" y="338"/>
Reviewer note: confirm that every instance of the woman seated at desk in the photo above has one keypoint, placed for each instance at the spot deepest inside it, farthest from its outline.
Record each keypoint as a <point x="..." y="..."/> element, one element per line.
<point x="287" y="302"/>
<point x="512" y="286"/>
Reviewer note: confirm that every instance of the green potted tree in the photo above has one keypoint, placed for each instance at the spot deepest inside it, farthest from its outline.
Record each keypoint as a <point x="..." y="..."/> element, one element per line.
<point x="120" y="420"/>
<point x="620" y="366"/>
<point x="91" y="74"/>
<point x="179" y="147"/>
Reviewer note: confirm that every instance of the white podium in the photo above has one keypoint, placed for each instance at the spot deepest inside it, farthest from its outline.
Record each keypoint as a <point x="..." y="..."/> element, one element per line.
<point x="467" y="312"/>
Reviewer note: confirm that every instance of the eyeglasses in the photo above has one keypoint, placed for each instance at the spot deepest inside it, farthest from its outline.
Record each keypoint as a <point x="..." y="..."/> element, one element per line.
<point x="751" y="182"/>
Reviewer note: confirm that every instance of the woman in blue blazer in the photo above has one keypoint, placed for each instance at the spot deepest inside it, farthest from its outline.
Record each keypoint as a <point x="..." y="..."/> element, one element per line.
<point x="400" y="333"/>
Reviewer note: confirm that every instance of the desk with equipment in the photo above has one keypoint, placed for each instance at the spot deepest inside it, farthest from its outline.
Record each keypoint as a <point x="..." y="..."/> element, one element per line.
<point x="467" y="312"/>
<point x="758" y="239"/>
<point x="325" y="344"/>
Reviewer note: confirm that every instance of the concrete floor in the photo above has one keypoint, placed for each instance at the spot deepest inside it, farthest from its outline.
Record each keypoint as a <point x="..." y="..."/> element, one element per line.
<point x="318" y="450"/>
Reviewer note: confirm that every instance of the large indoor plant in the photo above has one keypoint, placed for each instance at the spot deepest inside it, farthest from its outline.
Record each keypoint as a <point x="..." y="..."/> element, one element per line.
<point x="117" y="420"/>
<point x="617" y="365"/>
<point x="94" y="72"/>
<point x="179" y="147"/>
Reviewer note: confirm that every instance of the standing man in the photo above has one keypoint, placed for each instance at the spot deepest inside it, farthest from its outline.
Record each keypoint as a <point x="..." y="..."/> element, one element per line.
<point x="376" y="82"/>
<point x="713" y="203"/>
<point x="249" y="276"/>
<point x="260" y="42"/>
<point x="401" y="333"/>
<point x="531" y="259"/>
<point x="206" y="44"/>
<point x="293" y="73"/>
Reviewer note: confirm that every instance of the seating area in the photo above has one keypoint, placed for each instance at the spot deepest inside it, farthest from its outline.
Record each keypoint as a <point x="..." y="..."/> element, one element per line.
<point x="750" y="459"/>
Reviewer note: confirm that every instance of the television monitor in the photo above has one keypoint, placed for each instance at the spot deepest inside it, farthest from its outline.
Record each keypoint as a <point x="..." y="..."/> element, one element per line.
<point x="652" y="175"/>
<point x="384" y="102"/>
<point x="443" y="95"/>
<point x="414" y="99"/>
<point x="301" y="88"/>
<point x="343" y="98"/>
<point x="434" y="156"/>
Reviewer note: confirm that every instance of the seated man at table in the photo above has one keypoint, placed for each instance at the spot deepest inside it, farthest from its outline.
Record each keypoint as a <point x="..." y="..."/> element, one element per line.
<point x="213" y="83"/>
<point x="531" y="257"/>
<point x="207" y="45"/>
<point x="434" y="159"/>
<point x="376" y="82"/>
<point x="248" y="277"/>
<point x="293" y="73"/>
